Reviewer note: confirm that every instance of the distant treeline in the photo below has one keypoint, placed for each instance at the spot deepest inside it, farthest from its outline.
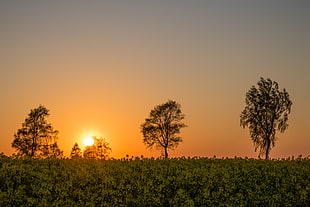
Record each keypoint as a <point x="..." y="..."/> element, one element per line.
<point x="265" y="113"/>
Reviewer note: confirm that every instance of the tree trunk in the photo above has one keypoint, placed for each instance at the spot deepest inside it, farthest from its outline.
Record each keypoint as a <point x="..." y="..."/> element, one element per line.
<point x="166" y="152"/>
<point x="33" y="147"/>
<point x="267" y="149"/>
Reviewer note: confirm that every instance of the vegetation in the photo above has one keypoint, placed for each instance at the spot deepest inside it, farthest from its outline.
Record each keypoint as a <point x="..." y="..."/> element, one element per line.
<point x="29" y="180"/>
<point x="99" y="150"/>
<point x="37" y="138"/>
<point x="154" y="182"/>
<point x="76" y="151"/>
<point x="163" y="126"/>
<point x="266" y="111"/>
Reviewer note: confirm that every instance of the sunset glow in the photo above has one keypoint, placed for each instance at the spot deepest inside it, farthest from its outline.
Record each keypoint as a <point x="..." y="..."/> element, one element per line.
<point x="100" y="67"/>
<point x="88" y="141"/>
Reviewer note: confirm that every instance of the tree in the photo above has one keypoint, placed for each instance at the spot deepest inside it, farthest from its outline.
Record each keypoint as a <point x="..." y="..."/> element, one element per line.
<point x="99" y="150"/>
<point x="163" y="126"/>
<point x="37" y="138"/>
<point x="76" y="151"/>
<point x="54" y="151"/>
<point x="266" y="111"/>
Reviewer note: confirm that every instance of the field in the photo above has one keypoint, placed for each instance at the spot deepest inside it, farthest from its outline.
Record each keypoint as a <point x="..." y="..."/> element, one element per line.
<point x="154" y="182"/>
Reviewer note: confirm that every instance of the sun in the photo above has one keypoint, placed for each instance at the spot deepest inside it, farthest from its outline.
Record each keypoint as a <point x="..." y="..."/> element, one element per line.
<point x="88" y="141"/>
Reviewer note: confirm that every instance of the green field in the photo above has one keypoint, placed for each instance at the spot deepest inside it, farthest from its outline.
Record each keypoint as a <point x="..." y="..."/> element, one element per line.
<point x="154" y="182"/>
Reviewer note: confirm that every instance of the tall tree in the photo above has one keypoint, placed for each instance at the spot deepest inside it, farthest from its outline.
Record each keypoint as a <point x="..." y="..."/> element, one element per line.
<point x="76" y="151"/>
<point x="162" y="127"/>
<point x="99" y="150"/>
<point x="266" y="111"/>
<point x="36" y="138"/>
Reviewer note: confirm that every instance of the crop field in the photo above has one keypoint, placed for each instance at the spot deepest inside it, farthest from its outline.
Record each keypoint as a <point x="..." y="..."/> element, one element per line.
<point x="154" y="182"/>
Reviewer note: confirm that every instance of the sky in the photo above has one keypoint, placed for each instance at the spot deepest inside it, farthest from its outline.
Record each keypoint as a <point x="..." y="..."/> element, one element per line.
<point x="101" y="66"/>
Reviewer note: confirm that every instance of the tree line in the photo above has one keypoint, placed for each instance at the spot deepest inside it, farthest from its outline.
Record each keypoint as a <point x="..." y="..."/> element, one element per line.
<point x="266" y="112"/>
<point x="99" y="150"/>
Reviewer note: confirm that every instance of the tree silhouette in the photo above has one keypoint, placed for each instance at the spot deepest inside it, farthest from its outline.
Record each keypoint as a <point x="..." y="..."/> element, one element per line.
<point x="54" y="151"/>
<point x="76" y="151"/>
<point x="163" y="126"/>
<point x="266" y="111"/>
<point x="99" y="150"/>
<point x="37" y="138"/>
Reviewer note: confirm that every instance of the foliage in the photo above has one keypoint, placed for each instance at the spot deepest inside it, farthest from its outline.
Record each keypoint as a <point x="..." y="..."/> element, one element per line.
<point x="53" y="151"/>
<point x="76" y="151"/>
<point x="267" y="109"/>
<point x="162" y="126"/>
<point x="99" y="150"/>
<point x="37" y="138"/>
<point x="154" y="182"/>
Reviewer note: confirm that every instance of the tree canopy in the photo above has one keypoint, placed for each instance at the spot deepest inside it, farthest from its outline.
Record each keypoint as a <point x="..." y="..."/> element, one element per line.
<point x="37" y="138"/>
<point x="266" y="111"/>
<point x="76" y="151"/>
<point x="99" y="150"/>
<point x="162" y="127"/>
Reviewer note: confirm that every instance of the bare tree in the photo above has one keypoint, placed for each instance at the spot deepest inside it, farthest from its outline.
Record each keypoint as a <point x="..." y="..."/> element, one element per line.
<point x="163" y="126"/>
<point x="266" y="111"/>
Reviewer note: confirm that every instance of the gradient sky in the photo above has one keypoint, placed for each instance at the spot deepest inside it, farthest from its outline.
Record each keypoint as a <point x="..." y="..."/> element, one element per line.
<point x="101" y="66"/>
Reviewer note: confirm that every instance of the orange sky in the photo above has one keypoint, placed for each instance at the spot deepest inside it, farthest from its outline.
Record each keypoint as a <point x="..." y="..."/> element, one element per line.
<point x="101" y="66"/>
